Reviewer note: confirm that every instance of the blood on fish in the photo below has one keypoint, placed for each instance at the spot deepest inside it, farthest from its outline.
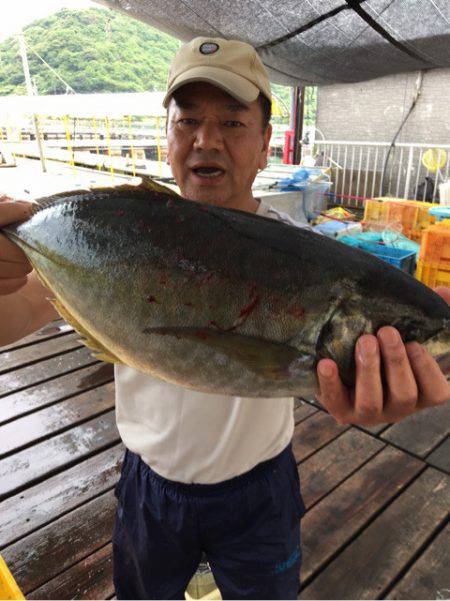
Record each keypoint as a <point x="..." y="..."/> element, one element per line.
<point x="206" y="278"/>
<point x="120" y="213"/>
<point x="245" y="312"/>
<point x="201" y="335"/>
<point x="188" y="305"/>
<point x="151" y="299"/>
<point x="297" y="312"/>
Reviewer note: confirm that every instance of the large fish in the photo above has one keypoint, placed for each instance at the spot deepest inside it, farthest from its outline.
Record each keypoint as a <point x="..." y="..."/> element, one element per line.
<point x="213" y="299"/>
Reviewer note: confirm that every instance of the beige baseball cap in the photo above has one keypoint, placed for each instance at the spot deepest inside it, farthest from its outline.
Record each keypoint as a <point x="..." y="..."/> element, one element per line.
<point x="228" y="64"/>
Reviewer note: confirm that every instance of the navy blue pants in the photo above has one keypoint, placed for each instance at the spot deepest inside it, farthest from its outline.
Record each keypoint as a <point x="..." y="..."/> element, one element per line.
<point x="248" y="527"/>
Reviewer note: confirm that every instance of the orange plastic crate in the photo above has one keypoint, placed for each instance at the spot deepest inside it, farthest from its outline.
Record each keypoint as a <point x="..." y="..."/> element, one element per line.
<point x="431" y="275"/>
<point x="375" y="210"/>
<point x="409" y="216"/>
<point x="435" y="245"/>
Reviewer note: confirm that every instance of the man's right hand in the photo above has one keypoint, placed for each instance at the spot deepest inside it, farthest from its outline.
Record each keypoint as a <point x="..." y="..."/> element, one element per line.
<point x="14" y="266"/>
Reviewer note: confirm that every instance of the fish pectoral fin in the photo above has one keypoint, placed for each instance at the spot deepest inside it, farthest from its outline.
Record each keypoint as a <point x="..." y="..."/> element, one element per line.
<point x="273" y="360"/>
<point x="87" y="339"/>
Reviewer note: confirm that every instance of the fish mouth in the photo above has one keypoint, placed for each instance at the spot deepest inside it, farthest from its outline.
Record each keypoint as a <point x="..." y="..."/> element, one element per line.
<point x="439" y="347"/>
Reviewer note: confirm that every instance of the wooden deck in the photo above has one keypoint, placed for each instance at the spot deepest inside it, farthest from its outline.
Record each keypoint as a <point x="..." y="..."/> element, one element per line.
<point x="377" y="500"/>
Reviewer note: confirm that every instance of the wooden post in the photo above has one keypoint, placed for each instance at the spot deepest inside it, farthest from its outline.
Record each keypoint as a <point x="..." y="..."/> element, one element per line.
<point x="26" y="72"/>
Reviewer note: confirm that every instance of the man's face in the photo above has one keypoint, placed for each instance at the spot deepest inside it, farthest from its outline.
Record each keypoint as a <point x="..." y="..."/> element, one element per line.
<point x="215" y="145"/>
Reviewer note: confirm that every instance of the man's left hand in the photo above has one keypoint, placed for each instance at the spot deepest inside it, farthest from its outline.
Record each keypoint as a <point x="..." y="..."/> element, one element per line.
<point x="414" y="380"/>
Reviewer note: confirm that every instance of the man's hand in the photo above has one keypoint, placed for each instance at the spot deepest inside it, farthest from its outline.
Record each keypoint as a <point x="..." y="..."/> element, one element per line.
<point x="414" y="380"/>
<point x="14" y="266"/>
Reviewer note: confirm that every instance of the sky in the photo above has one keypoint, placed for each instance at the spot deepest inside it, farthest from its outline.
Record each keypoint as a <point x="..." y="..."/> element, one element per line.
<point x="22" y="12"/>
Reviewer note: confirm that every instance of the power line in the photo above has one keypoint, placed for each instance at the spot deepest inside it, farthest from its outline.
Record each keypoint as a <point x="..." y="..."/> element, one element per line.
<point x="68" y="86"/>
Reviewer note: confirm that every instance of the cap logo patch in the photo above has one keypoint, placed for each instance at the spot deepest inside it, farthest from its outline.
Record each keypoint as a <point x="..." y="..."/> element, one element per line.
<point x="209" y="48"/>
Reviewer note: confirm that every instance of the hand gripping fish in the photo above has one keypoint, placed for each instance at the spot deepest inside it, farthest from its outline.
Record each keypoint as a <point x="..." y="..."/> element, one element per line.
<point x="214" y="299"/>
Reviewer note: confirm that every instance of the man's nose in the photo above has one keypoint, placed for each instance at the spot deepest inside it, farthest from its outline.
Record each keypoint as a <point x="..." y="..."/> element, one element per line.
<point x="208" y="136"/>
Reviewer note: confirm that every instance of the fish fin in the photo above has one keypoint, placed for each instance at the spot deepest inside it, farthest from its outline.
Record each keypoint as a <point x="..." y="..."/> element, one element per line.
<point x="48" y="201"/>
<point x="147" y="183"/>
<point x="87" y="338"/>
<point x="104" y="357"/>
<point x="273" y="360"/>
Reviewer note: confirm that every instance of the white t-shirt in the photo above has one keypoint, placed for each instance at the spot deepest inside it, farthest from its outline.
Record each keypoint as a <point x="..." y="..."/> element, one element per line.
<point x="196" y="437"/>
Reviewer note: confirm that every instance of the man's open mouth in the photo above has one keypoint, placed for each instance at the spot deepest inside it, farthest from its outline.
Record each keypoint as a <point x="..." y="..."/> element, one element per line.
<point x="208" y="172"/>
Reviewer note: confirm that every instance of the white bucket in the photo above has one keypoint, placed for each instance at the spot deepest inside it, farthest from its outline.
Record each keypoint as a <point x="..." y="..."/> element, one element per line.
<point x="444" y="193"/>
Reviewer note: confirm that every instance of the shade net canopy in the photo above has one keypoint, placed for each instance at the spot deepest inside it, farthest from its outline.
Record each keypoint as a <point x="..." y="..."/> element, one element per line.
<point x="311" y="42"/>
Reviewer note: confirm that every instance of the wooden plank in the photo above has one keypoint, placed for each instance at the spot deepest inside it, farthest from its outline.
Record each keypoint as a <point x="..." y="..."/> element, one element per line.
<point x="440" y="457"/>
<point x="329" y="466"/>
<point x="338" y="517"/>
<point x="313" y="433"/>
<point x="46" y="393"/>
<point x="51" y="420"/>
<point x="375" y="429"/>
<point x="421" y="432"/>
<point x="25" y="467"/>
<point x="429" y="577"/>
<point x="44" y="502"/>
<point x="44" y="554"/>
<point x="373" y="560"/>
<point x="38" y="352"/>
<point x="90" y="578"/>
<point x="45" y="370"/>
<point x="302" y="412"/>
<point x="52" y="330"/>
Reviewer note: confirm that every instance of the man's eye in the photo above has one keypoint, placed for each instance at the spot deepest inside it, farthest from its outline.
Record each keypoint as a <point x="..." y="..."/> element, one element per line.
<point x="232" y="123"/>
<point x="188" y="121"/>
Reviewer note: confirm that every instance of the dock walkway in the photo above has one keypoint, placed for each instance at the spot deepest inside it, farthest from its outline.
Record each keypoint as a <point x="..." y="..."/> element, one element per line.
<point x="377" y="499"/>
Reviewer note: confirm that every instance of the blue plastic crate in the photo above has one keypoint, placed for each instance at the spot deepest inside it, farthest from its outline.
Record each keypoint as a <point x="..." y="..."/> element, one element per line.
<point x="403" y="259"/>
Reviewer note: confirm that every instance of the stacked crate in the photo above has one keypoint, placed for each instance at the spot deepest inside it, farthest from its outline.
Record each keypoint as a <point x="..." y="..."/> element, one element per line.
<point x="433" y="268"/>
<point x="411" y="217"/>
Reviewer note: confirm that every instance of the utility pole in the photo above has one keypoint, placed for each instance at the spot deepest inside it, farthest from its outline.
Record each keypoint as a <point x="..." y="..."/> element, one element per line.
<point x="299" y="94"/>
<point x="30" y="92"/>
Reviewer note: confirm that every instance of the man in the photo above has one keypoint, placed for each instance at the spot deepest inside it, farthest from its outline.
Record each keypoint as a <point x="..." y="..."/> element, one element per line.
<point x="204" y="472"/>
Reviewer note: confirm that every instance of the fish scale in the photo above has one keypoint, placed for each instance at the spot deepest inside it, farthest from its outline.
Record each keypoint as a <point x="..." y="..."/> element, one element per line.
<point x="215" y="299"/>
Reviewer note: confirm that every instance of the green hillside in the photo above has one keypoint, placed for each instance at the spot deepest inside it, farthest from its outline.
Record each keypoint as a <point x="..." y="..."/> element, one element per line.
<point x="97" y="50"/>
<point x="93" y="50"/>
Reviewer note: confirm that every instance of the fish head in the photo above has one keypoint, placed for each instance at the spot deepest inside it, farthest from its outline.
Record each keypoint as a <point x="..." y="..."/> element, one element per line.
<point x="419" y="314"/>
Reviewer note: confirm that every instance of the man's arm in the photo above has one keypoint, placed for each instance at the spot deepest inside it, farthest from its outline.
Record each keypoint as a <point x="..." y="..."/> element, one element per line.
<point x="24" y="307"/>
<point x="25" y="311"/>
<point x="414" y="380"/>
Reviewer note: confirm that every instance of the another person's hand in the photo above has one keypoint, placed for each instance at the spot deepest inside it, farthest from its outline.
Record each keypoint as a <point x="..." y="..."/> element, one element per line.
<point x="414" y="380"/>
<point x="14" y="266"/>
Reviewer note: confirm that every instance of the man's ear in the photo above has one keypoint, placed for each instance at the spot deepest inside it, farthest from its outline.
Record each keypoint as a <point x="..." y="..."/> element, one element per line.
<point x="265" y="149"/>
